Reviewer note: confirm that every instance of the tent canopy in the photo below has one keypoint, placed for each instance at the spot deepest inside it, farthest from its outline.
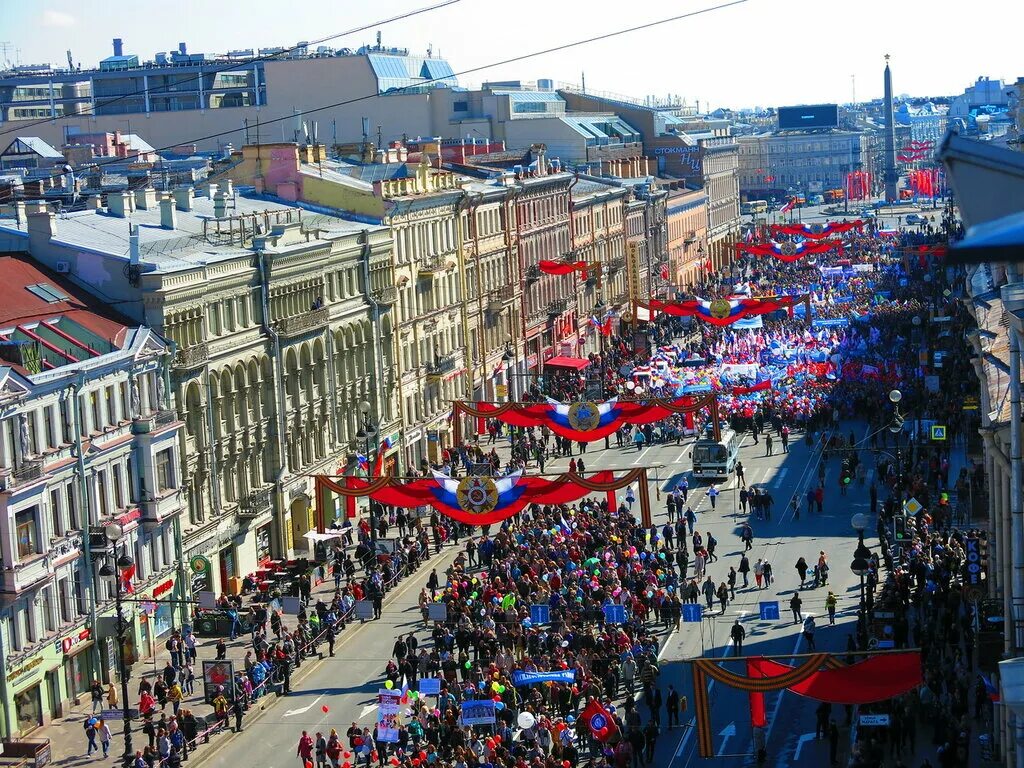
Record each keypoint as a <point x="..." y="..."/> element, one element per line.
<point x="574" y="363"/>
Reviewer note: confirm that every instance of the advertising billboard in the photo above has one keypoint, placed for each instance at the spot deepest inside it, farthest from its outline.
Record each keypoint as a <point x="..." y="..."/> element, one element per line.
<point x="808" y="116"/>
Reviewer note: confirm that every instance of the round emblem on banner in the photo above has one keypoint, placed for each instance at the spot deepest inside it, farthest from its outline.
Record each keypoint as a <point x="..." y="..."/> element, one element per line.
<point x="787" y="248"/>
<point x="477" y="494"/>
<point x="817" y="228"/>
<point x="598" y="721"/>
<point x="720" y="308"/>
<point x="199" y="564"/>
<point x="584" y="417"/>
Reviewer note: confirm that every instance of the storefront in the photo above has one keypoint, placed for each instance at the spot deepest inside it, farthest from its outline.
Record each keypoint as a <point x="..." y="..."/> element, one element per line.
<point x="78" y="666"/>
<point x="263" y="546"/>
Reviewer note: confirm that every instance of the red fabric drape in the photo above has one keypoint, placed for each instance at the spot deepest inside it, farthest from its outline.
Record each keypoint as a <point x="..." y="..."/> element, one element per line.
<point x="875" y="679"/>
<point x="816" y="231"/>
<point x="744" y="308"/>
<point x="562" y="268"/>
<point x="763" y="386"/>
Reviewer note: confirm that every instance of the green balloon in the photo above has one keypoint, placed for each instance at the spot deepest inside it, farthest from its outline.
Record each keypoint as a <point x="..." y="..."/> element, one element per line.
<point x="501" y="689"/>
<point x="469" y="665"/>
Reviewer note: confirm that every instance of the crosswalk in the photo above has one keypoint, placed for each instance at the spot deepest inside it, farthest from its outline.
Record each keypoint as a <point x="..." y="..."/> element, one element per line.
<point x="768" y="477"/>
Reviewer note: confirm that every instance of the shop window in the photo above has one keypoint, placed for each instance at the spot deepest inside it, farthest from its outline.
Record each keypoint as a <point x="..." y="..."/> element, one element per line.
<point x="28" y="706"/>
<point x="27" y="532"/>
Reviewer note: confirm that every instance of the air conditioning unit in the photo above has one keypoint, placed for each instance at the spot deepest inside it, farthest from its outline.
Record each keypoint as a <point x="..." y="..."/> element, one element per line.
<point x="64" y="267"/>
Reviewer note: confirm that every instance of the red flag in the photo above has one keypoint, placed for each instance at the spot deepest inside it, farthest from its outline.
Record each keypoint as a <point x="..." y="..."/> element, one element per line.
<point x="602" y="725"/>
<point x="664" y="271"/>
<point x="707" y="265"/>
<point x="126" y="579"/>
<point x="606" y="328"/>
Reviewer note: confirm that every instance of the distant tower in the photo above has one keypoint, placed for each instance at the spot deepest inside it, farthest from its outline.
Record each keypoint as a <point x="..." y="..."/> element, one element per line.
<point x="890" y="176"/>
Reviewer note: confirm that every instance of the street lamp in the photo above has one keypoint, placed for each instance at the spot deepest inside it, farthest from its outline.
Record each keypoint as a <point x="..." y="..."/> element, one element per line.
<point x="506" y="359"/>
<point x="115" y="534"/>
<point x="860" y="565"/>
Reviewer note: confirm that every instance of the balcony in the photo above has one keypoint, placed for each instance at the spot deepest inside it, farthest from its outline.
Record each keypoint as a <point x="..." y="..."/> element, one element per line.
<point x="156" y="511"/>
<point x="533" y="272"/>
<point x="429" y="265"/>
<point x="255" y="504"/>
<point x="307" y="322"/>
<point x="442" y="365"/>
<point x="23" y="575"/>
<point x="507" y="293"/>
<point x="151" y="422"/>
<point x="194" y="356"/>
<point x="616" y="264"/>
<point x="388" y="295"/>
<point x="30" y="469"/>
<point x="557" y="307"/>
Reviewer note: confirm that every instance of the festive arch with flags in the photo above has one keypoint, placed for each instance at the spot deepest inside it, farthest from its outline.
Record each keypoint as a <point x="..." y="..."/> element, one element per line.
<point x="480" y="499"/>
<point x="820" y="676"/>
<point x="584" y="422"/>
<point x="789" y="251"/>
<point x="722" y="312"/>
<point x="816" y="231"/>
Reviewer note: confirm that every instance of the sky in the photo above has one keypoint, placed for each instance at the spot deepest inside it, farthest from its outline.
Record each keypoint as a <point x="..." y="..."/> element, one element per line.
<point x="752" y="53"/>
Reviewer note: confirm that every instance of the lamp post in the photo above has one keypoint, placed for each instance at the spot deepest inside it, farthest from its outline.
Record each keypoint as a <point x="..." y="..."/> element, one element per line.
<point x="115" y="534"/>
<point x="365" y="437"/>
<point x="896" y="427"/>
<point x="861" y="554"/>
<point x="507" y="359"/>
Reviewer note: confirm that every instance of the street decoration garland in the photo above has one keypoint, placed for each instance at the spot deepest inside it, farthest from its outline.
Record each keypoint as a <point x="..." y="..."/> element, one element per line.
<point x="816" y="231"/>
<point x="789" y="251"/>
<point x="563" y="267"/>
<point x="723" y="312"/>
<point x="480" y="499"/>
<point x="822" y="677"/>
<point x="584" y="422"/>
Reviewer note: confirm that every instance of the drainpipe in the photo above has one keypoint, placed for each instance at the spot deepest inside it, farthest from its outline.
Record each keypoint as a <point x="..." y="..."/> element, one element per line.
<point x="378" y="389"/>
<point x="333" y="388"/>
<point x="513" y="214"/>
<point x="277" y="365"/>
<point x="88" y="583"/>
<point x="460" y="244"/>
<point x="184" y="587"/>
<point x="475" y="233"/>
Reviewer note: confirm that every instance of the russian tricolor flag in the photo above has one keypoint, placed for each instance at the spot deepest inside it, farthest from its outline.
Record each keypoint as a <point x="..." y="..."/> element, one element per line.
<point x="363" y="462"/>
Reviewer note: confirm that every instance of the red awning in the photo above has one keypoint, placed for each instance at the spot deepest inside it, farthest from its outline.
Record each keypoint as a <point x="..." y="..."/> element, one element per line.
<point x="576" y="363"/>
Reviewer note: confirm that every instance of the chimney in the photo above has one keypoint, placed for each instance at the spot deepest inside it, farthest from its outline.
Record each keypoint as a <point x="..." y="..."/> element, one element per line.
<point x="212" y="193"/>
<point x="117" y="204"/>
<point x="118" y="46"/>
<point x="93" y="203"/>
<point x="168" y="216"/>
<point x="181" y="49"/>
<point x="220" y="206"/>
<point x="145" y="198"/>
<point x="229" y="189"/>
<point x="133" y="245"/>
<point x="19" y="211"/>
<point x="183" y="198"/>
<point x="41" y="222"/>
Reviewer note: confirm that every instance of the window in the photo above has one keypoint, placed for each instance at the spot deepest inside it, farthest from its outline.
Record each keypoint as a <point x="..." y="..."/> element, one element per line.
<point x="27" y="533"/>
<point x="64" y="601"/>
<point x="131" y="480"/>
<point x="69" y="496"/>
<point x="49" y="429"/>
<point x="55" y="515"/>
<point x="97" y="417"/>
<point x="101" y="493"/>
<point x="111" y="405"/>
<point x="164" y="471"/>
<point x="460" y="106"/>
<point x="47" y="609"/>
<point x="118" y="487"/>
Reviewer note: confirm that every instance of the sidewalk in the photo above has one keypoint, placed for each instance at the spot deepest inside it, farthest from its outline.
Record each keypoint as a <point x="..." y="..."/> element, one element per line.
<point x="66" y="734"/>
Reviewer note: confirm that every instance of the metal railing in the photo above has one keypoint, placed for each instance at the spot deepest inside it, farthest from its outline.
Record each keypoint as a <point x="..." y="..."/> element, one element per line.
<point x="388" y="295"/>
<point x="255" y="504"/>
<point x="313" y="320"/>
<point x="558" y="306"/>
<point x="192" y="356"/>
<point x="30" y="469"/>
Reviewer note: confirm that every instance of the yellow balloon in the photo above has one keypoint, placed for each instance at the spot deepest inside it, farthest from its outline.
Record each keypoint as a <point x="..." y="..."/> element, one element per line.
<point x="389" y="684"/>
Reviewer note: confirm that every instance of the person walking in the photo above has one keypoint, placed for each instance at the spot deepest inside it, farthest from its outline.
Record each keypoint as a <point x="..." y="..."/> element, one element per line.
<point x="768" y="444"/>
<point x="723" y="595"/>
<point x="90" y="735"/>
<point x="809" y="629"/>
<point x="691" y="519"/>
<point x="104" y="731"/>
<point x="794" y="604"/>
<point x="747" y="537"/>
<point x="744" y="569"/>
<point x="712" y="495"/>
<point x="801" y="570"/>
<point x="672" y="703"/>
<point x="732" y="582"/>
<point x="304" y="750"/>
<point x="739" y="474"/>
<point x="767" y="574"/>
<point x="96" y="692"/>
<point x="710" y="546"/>
<point x="238" y="709"/>
<point x="738" y="634"/>
<point x="785" y="439"/>
<point x="708" y="588"/>
<point x="830" y="606"/>
<point x="758" y="572"/>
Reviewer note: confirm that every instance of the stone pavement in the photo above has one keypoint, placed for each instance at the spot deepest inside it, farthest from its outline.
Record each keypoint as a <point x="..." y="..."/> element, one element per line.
<point x="66" y="734"/>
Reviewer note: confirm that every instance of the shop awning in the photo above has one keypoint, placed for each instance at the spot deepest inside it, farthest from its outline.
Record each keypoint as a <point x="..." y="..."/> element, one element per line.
<point x="561" y="361"/>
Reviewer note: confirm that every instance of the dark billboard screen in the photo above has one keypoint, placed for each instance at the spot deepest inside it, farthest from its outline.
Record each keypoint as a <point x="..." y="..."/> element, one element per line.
<point x="808" y="116"/>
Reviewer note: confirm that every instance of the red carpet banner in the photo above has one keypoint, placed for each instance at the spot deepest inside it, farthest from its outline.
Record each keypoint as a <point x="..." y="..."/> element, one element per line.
<point x="584" y="421"/>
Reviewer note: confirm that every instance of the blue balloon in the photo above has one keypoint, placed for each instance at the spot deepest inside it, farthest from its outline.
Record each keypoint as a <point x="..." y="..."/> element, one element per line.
<point x="499" y="705"/>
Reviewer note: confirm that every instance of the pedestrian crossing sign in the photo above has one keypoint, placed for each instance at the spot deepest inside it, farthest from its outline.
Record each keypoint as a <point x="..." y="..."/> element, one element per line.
<point x="770" y="611"/>
<point x="693" y="612"/>
<point x="938" y="432"/>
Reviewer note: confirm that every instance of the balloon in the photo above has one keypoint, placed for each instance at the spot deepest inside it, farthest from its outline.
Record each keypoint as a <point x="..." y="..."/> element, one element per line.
<point x="469" y="665"/>
<point x="415" y="761"/>
<point x="501" y="689"/>
<point x="394" y="761"/>
<point x="603" y="732"/>
<point x="497" y="739"/>
<point x="566" y="764"/>
<point x="414" y="695"/>
<point x="482" y="685"/>
<point x="526" y="720"/>
<point x="325" y="709"/>
<point x="389" y="684"/>
<point x="309" y="764"/>
<point x="346" y="755"/>
<point x="495" y="687"/>
<point x="496" y="699"/>
<point x="423" y="755"/>
<point x="374" y="755"/>
<point x="499" y="705"/>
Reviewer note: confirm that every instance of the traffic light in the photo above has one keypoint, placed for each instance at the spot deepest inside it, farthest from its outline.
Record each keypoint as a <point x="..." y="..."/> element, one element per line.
<point x="899" y="529"/>
<point x="846" y="476"/>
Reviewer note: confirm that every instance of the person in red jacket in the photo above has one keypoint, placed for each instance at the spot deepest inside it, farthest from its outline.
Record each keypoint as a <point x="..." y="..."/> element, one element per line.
<point x="305" y="749"/>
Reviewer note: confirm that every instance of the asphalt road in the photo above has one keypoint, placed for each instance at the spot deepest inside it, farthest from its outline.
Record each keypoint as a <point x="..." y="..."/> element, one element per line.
<point x="347" y="684"/>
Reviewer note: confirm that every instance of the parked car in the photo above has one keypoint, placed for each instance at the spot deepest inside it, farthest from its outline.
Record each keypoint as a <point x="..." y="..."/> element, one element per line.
<point x="916" y="218"/>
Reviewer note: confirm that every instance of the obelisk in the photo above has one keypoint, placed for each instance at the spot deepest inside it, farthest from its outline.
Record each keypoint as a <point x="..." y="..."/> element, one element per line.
<point x="890" y="176"/>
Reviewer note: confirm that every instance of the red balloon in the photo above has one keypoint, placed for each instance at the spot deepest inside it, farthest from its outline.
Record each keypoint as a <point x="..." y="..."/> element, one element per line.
<point x="603" y="731"/>
<point x="423" y="755"/>
<point x="346" y="755"/>
<point x="373" y="755"/>
<point x="309" y="764"/>
<point x="566" y="764"/>
<point x="325" y="708"/>
<point x="415" y="761"/>
<point x="497" y="739"/>
<point x="497" y="698"/>
<point x="394" y="761"/>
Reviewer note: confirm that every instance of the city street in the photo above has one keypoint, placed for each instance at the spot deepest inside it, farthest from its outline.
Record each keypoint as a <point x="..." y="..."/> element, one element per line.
<point x="347" y="684"/>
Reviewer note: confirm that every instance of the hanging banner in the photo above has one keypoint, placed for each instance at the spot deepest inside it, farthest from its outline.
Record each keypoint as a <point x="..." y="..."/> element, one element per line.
<point x="562" y="267"/>
<point x="816" y="231"/>
<point x="483" y="499"/>
<point x="584" y="421"/>
<point x="723" y="312"/>
<point x="521" y="678"/>
<point x="788" y="250"/>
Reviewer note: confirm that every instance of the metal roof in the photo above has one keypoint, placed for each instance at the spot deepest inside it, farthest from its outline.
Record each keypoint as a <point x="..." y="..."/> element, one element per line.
<point x="33" y="144"/>
<point x="533" y="96"/>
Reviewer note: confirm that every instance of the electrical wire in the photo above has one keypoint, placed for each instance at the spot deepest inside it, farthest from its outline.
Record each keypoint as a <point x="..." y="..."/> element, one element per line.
<point x="20" y="127"/>
<point x="471" y="70"/>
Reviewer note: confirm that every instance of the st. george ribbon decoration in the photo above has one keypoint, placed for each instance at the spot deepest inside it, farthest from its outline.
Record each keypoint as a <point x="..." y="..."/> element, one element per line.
<point x="816" y="231"/>
<point x="585" y="422"/>
<point x="563" y="267"/>
<point x="480" y="499"/>
<point x="790" y="251"/>
<point x="722" y="312"/>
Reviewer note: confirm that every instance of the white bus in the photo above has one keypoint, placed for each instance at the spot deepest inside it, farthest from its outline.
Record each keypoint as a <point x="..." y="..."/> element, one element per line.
<point x="754" y="207"/>
<point x="716" y="459"/>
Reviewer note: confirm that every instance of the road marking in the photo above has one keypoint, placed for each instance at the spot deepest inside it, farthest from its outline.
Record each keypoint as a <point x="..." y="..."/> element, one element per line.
<point x="804" y="738"/>
<point x="681" y="456"/>
<point x="777" y="483"/>
<point x="304" y="709"/>
<point x="367" y="710"/>
<point x="641" y="456"/>
<point x="727" y="733"/>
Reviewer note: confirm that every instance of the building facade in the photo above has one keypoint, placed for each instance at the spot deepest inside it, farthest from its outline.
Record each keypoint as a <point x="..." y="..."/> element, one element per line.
<point x="783" y="163"/>
<point x="88" y="438"/>
<point x="278" y="367"/>
<point x="687" y="220"/>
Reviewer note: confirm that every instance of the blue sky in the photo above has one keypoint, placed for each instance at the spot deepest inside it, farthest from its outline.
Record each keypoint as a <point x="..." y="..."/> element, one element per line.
<point x="761" y="52"/>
